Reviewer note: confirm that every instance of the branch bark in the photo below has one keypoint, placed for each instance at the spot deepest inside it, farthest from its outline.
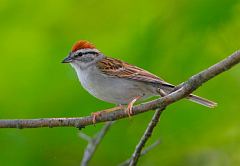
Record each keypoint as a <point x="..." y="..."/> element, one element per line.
<point x="147" y="134"/>
<point x="93" y="143"/>
<point x="185" y="89"/>
<point x="145" y="151"/>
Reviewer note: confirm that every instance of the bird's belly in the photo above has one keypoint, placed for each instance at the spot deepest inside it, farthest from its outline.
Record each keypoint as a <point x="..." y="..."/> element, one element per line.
<point x="115" y="90"/>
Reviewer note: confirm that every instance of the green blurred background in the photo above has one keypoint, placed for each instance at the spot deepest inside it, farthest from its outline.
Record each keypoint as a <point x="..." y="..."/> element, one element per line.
<point x="173" y="39"/>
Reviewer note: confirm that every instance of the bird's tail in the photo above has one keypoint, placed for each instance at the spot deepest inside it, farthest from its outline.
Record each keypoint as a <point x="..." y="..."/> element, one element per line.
<point x="202" y="101"/>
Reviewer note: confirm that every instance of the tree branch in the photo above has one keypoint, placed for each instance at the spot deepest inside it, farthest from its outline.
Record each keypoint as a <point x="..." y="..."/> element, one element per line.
<point x="147" y="134"/>
<point x="185" y="89"/>
<point x="85" y="137"/>
<point x="145" y="151"/>
<point x="93" y="143"/>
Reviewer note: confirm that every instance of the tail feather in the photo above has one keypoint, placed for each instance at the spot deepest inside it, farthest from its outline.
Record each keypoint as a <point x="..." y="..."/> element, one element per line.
<point x="202" y="101"/>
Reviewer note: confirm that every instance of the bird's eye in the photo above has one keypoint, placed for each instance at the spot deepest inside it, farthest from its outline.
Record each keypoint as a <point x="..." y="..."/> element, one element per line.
<point x="78" y="54"/>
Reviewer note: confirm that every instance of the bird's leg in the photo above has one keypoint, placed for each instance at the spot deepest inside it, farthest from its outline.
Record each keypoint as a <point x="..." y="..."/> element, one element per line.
<point x="130" y="105"/>
<point x="161" y="92"/>
<point x="99" y="113"/>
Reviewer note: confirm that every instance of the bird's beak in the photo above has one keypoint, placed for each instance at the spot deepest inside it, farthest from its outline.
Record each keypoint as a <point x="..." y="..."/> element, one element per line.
<point x="68" y="59"/>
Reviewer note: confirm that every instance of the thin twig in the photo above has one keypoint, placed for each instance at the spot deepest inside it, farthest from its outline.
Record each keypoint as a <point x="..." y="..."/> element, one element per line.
<point x="85" y="137"/>
<point x="93" y="143"/>
<point x="145" y="151"/>
<point x="186" y="88"/>
<point x="147" y="134"/>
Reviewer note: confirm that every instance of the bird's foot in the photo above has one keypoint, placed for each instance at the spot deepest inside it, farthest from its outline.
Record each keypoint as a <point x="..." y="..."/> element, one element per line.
<point x="95" y="115"/>
<point x="128" y="110"/>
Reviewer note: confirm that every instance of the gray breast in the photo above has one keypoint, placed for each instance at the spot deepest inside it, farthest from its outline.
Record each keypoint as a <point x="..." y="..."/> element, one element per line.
<point x="113" y="89"/>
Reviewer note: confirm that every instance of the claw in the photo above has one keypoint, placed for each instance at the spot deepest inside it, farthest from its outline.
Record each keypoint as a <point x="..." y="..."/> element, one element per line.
<point x="130" y="106"/>
<point x="128" y="110"/>
<point x="95" y="115"/>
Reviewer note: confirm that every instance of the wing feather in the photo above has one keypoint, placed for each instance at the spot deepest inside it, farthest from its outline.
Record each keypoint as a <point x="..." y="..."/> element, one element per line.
<point x="117" y="68"/>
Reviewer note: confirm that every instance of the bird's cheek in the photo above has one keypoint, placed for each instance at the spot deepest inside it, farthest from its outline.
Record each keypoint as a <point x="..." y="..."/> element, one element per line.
<point x="86" y="59"/>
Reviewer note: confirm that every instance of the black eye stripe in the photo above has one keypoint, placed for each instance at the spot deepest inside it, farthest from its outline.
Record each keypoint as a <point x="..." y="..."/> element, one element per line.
<point x="84" y="53"/>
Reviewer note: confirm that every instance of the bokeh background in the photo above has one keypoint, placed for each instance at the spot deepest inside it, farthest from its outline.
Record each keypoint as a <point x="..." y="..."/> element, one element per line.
<point x="173" y="39"/>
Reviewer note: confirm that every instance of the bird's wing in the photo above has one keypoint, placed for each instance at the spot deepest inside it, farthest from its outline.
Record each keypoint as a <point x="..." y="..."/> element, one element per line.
<point x="117" y="68"/>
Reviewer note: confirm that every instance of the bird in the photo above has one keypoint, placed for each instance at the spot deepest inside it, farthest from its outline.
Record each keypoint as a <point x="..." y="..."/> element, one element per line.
<point x="118" y="82"/>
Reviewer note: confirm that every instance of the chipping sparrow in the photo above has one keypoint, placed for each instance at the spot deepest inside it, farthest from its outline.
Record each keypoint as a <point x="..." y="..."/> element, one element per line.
<point x="115" y="81"/>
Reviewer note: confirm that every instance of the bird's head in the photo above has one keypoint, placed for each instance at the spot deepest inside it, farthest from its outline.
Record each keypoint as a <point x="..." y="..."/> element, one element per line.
<point x="83" y="52"/>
